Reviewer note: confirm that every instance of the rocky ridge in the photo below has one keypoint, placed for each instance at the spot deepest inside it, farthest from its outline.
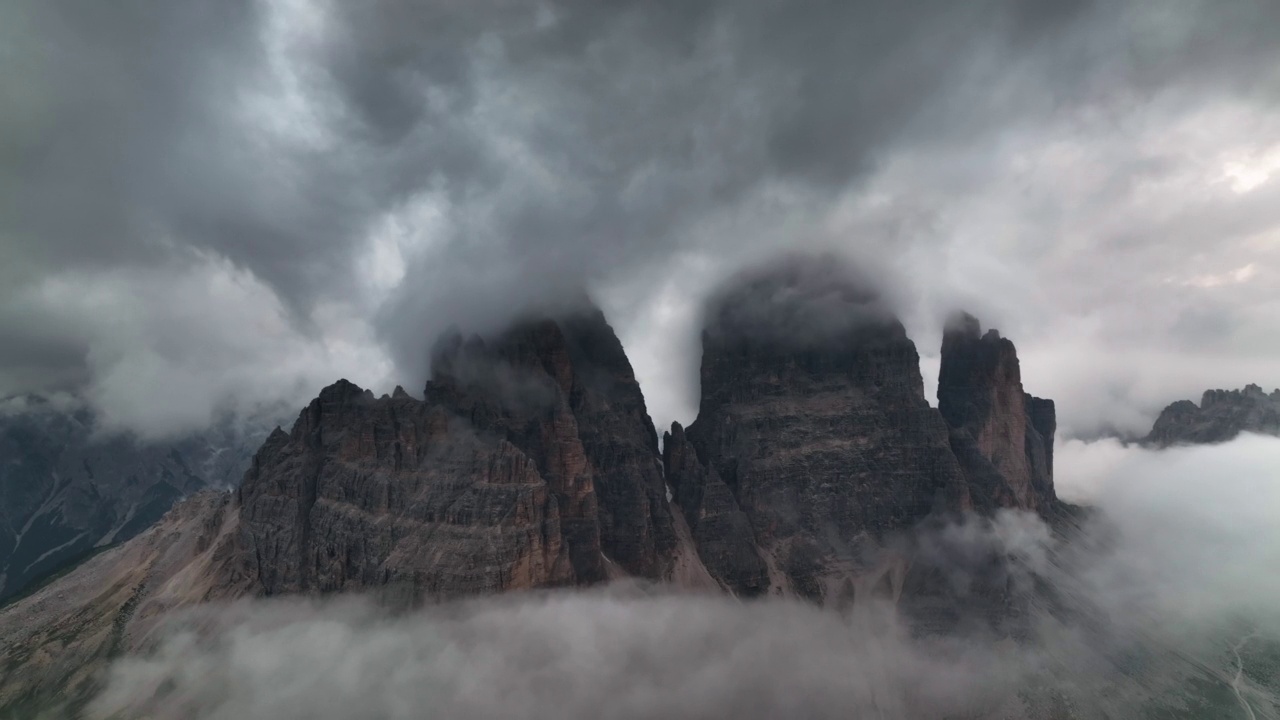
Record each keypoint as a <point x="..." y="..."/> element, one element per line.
<point x="531" y="462"/>
<point x="1220" y="416"/>
<point x="1002" y="435"/>
<point x="820" y="433"/>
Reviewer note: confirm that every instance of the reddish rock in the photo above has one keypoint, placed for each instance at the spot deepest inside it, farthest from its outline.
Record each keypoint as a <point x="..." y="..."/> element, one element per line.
<point x="1002" y="435"/>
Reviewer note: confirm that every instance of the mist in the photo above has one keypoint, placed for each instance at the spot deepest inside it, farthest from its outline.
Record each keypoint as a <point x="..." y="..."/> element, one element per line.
<point x="1164" y="605"/>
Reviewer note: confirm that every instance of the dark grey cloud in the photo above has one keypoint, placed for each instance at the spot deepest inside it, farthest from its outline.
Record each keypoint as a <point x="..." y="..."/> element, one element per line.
<point x="800" y="301"/>
<point x="373" y="173"/>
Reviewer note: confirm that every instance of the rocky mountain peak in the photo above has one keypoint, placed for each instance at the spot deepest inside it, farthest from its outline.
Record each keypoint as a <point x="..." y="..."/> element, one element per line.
<point x="811" y="390"/>
<point x="530" y="462"/>
<point x="1220" y="416"/>
<point x="1002" y="435"/>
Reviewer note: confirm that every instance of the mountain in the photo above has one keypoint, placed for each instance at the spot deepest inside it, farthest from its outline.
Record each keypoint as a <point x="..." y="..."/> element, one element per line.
<point x="813" y="440"/>
<point x="1220" y="416"/>
<point x="66" y="489"/>
<point x="531" y="462"/>
<point x="1002" y="435"/>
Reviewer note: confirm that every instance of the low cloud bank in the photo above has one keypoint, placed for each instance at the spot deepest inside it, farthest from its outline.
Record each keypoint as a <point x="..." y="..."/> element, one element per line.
<point x="1168" y="605"/>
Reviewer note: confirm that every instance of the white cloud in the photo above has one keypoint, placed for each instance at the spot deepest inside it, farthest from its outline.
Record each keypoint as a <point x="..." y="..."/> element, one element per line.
<point x="1251" y="170"/>
<point x="170" y="351"/>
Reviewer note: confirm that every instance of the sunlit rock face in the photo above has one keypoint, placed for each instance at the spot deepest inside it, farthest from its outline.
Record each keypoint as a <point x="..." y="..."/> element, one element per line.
<point x="1221" y="416"/>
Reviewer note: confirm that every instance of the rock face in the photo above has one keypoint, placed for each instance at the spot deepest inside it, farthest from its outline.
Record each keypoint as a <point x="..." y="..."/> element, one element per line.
<point x="814" y="426"/>
<point x="1002" y="435"/>
<point x="720" y="529"/>
<point x="530" y="463"/>
<point x="349" y="498"/>
<point x="1220" y="416"/>
<point x="65" y="491"/>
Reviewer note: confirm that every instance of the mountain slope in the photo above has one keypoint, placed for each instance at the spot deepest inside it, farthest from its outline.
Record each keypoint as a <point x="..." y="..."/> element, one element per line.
<point x="57" y="640"/>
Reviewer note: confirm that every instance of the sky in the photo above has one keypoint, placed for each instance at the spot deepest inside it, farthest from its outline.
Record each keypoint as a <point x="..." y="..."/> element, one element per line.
<point x="208" y="206"/>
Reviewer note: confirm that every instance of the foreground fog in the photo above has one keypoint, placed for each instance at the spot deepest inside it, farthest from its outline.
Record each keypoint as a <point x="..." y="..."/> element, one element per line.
<point x="1168" y="607"/>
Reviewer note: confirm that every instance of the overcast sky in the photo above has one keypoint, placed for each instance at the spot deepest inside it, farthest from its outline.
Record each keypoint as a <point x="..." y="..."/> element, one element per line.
<point x="209" y="204"/>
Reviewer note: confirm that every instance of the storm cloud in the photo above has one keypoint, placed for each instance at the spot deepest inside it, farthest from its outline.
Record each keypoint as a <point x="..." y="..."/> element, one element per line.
<point x="209" y="205"/>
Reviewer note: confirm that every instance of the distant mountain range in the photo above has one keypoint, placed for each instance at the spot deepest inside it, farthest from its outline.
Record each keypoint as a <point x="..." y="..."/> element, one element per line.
<point x="1221" y="415"/>
<point x="66" y="490"/>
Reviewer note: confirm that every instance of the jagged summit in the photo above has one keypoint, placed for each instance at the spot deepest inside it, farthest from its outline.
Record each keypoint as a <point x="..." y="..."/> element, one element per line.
<point x="1220" y="416"/>
<point x="1002" y="435"/>
<point x="530" y="462"/>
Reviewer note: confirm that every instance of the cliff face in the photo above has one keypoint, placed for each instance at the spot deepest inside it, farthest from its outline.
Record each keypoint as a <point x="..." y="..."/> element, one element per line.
<point x="813" y="419"/>
<point x="636" y="524"/>
<point x="1220" y="416"/>
<point x="65" y="490"/>
<point x="1002" y="436"/>
<point x="720" y="529"/>
<point x="369" y="492"/>
<point x="531" y="462"/>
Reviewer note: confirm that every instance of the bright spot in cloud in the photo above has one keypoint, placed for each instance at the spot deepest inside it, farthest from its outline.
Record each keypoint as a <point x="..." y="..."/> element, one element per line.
<point x="1247" y="174"/>
<point x="1234" y="277"/>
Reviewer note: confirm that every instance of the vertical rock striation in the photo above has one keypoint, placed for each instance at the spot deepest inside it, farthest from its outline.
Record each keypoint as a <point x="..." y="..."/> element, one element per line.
<point x="721" y="530"/>
<point x="636" y="525"/>
<point x="369" y="492"/>
<point x="813" y="417"/>
<point x="1002" y="436"/>
<point x="531" y="462"/>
